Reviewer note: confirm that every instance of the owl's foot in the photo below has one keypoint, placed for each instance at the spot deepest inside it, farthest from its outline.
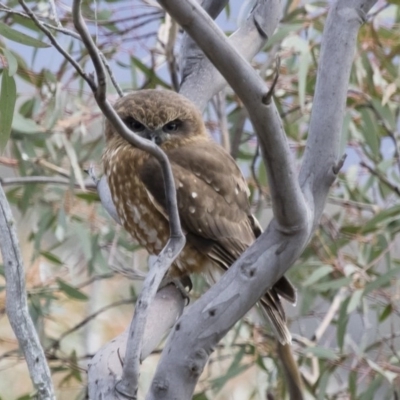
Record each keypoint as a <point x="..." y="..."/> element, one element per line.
<point x="183" y="284"/>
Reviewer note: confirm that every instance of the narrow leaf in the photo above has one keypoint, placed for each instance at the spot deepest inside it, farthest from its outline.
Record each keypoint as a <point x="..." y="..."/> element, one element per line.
<point x="322" y="353"/>
<point x="20" y="37"/>
<point x="70" y="291"/>
<point x="382" y="280"/>
<point x="318" y="274"/>
<point x="8" y="96"/>
<point x="11" y="61"/>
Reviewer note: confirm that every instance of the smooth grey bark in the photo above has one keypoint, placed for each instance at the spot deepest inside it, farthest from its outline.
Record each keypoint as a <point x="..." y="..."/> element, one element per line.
<point x="287" y="200"/>
<point x="204" y="323"/>
<point x="105" y="368"/>
<point x="17" y="307"/>
<point x="200" y="79"/>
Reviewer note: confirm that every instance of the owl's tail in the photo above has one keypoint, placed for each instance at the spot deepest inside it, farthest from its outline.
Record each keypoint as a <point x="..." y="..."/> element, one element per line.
<point x="273" y="309"/>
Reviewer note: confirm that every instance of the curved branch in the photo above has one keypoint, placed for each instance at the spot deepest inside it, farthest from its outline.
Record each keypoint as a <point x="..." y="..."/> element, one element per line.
<point x="321" y="156"/>
<point x="207" y="321"/>
<point x="287" y="200"/>
<point x="200" y="79"/>
<point x="17" y="307"/>
<point x="128" y="385"/>
<point x="106" y="367"/>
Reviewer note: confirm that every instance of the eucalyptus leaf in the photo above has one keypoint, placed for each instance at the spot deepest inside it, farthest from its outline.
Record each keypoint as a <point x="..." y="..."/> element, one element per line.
<point x="8" y="97"/>
<point x="20" y="37"/>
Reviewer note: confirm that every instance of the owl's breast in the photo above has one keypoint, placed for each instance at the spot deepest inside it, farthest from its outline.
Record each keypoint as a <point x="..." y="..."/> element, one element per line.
<point x="134" y="206"/>
<point x="137" y="212"/>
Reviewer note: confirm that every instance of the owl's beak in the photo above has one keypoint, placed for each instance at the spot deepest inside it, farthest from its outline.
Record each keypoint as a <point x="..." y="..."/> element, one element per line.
<point x="156" y="136"/>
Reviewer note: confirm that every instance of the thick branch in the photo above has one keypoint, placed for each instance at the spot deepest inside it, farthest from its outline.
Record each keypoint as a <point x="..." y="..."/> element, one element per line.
<point x="287" y="200"/>
<point x="200" y="79"/>
<point x="105" y="368"/>
<point x="337" y="54"/>
<point x="16" y="304"/>
<point x="207" y="321"/>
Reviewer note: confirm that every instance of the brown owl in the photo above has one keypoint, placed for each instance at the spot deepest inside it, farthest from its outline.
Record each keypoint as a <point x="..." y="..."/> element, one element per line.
<point x="212" y="194"/>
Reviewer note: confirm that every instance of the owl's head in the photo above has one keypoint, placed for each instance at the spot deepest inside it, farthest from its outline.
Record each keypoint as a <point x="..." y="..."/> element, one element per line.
<point x="162" y="116"/>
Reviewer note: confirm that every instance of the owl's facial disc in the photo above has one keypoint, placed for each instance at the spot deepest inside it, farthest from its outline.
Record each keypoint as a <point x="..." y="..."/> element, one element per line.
<point x="159" y="135"/>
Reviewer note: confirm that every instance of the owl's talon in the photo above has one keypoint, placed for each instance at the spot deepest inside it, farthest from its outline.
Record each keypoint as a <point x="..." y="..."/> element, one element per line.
<point x="181" y="284"/>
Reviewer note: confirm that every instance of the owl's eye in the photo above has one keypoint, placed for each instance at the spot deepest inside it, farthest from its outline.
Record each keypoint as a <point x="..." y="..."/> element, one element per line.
<point x="171" y="126"/>
<point x="134" y="125"/>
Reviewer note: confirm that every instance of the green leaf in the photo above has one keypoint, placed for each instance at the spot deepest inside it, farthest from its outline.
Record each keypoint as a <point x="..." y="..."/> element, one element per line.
<point x="333" y="284"/>
<point x="200" y="396"/>
<point x="384" y="217"/>
<point x="51" y="257"/>
<point x="89" y="197"/>
<point x="234" y="369"/>
<point x="389" y="375"/>
<point x="305" y="61"/>
<point x="11" y="61"/>
<point x="343" y="319"/>
<point x="25" y="125"/>
<point x="381" y="281"/>
<point x="70" y="291"/>
<point x="386" y="312"/>
<point x="354" y="301"/>
<point x="323" y="384"/>
<point x="153" y="78"/>
<point x="8" y="96"/>
<point x="20" y="37"/>
<point x="318" y="274"/>
<point x="322" y="353"/>
<point x="282" y="32"/>
<point x="371" y="131"/>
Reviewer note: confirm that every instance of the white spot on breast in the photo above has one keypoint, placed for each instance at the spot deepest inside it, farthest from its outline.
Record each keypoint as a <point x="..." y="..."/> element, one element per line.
<point x="236" y="191"/>
<point x="192" y="210"/>
<point x="152" y="235"/>
<point x="143" y="224"/>
<point x="216" y="188"/>
<point x="180" y="185"/>
<point x="135" y="212"/>
<point x="194" y="195"/>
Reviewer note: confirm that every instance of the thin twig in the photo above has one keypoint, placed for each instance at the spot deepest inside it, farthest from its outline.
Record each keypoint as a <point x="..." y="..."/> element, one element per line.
<point x="238" y="132"/>
<point x="111" y="75"/>
<point x="55" y="43"/>
<point x="16" y="304"/>
<point x="255" y="178"/>
<point x="220" y="108"/>
<point x="329" y="315"/>
<point x="49" y="180"/>
<point x="82" y="323"/>
<point x="382" y="178"/>
<point x="55" y="15"/>
<point x="60" y="29"/>
<point x="126" y="19"/>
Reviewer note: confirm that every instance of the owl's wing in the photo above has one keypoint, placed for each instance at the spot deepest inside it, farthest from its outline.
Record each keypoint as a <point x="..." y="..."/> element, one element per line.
<point x="212" y="199"/>
<point x="212" y="202"/>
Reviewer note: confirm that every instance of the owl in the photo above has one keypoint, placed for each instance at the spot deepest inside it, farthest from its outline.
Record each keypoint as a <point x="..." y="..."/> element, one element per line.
<point x="212" y="194"/>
